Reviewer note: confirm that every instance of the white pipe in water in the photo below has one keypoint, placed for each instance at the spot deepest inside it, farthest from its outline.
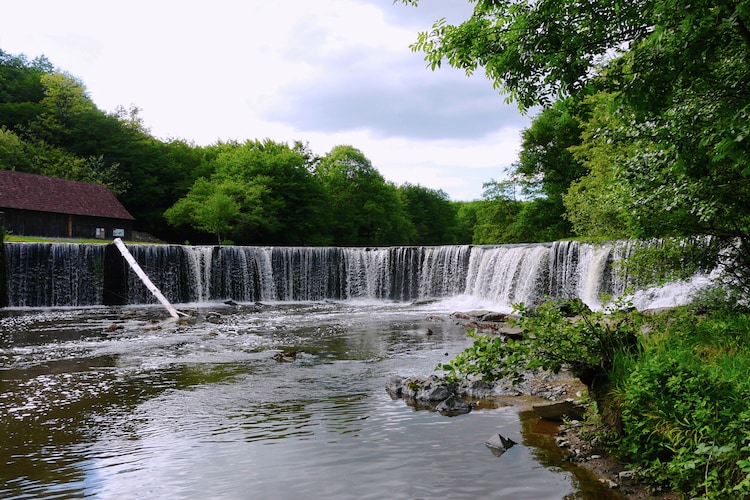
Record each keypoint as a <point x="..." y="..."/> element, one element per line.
<point x="146" y="281"/>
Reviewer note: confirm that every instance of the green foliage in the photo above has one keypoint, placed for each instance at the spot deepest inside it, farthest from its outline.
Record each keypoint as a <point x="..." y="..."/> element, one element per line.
<point x="431" y="213"/>
<point x="495" y="213"/>
<point x="364" y="208"/>
<point x="596" y="203"/>
<point x="672" y="387"/>
<point x="658" y="90"/>
<point x="285" y="195"/>
<point x="538" y="220"/>
<point x="535" y="51"/>
<point x="685" y="420"/>
<point x="557" y="334"/>
<point x="259" y="192"/>
<point x="466" y="220"/>
<point x="546" y="165"/>
<point x="545" y="170"/>
<point x="207" y="207"/>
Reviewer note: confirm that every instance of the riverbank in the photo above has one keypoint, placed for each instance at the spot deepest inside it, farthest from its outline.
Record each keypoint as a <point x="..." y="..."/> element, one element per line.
<point x="674" y="384"/>
<point x="138" y="238"/>
<point x="578" y="440"/>
<point x="575" y="441"/>
<point x="588" y="453"/>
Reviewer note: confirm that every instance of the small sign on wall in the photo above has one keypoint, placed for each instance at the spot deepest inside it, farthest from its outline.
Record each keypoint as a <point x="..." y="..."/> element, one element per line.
<point x="118" y="233"/>
<point x="100" y="233"/>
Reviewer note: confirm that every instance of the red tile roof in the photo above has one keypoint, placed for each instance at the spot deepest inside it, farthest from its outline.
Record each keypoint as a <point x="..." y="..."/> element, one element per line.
<point x="47" y="194"/>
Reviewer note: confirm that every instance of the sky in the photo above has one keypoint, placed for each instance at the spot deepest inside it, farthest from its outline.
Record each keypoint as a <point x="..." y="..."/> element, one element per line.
<point x="324" y="72"/>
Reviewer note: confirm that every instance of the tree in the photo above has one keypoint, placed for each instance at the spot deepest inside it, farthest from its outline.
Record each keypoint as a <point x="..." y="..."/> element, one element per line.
<point x="466" y="220"/>
<point x="65" y="99"/>
<point x="21" y="89"/>
<point x="678" y="74"/>
<point x="496" y="213"/>
<point x="207" y="207"/>
<point x="431" y="213"/>
<point x="597" y="204"/>
<point x="539" y="51"/>
<point x="259" y="192"/>
<point x="12" y="151"/>
<point x="365" y="209"/>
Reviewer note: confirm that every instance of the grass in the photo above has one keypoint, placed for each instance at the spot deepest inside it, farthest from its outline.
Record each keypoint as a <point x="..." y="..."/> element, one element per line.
<point x="11" y="238"/>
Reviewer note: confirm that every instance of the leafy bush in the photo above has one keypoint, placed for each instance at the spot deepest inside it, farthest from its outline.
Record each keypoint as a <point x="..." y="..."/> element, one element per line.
<point x="557" y="334"/>
<point x="685" y="419"/>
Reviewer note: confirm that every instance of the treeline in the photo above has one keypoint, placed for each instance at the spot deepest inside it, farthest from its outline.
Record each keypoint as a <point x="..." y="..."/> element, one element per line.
<point x="253" y="192"/>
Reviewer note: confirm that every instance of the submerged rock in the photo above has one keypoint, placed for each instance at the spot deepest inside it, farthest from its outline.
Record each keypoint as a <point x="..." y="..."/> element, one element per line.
<point x="286" y="356"/>
<point x="499" y="444"/>
<point x="560" y="410"/>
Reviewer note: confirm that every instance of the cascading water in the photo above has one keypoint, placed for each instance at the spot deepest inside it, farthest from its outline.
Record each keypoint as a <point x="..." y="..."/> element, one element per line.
<point x="54" y="274"/>
<point x="42" y="274"/>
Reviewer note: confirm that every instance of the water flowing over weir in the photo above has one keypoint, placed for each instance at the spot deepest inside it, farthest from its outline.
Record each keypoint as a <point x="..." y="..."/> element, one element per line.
<point x="51" y="275"/>
<point x="58" y="274"/>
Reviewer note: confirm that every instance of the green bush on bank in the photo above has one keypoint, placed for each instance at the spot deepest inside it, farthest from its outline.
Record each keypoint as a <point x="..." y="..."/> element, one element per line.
<point x="673" y="389"/>
<point x="557" y="334"/>
<point x="685" y="418"/>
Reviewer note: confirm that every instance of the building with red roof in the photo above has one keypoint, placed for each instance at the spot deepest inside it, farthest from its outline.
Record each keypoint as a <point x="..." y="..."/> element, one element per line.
<point x="35" y="205"/>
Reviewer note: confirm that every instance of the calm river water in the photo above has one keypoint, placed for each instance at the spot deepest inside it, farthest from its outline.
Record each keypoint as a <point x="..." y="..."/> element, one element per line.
<point x="121" y="403"/>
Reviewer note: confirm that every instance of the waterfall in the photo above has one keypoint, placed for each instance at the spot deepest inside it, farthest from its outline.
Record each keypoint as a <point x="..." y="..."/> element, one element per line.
<point x="45" y="274"/>
<point x="53" y="274"/>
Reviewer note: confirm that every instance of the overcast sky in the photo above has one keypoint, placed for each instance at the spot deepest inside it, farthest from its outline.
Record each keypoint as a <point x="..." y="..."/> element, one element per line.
<point x="326" y="72"/>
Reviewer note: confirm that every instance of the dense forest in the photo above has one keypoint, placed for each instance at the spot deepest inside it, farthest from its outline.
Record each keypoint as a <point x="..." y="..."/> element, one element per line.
<point x="252" y="192"/>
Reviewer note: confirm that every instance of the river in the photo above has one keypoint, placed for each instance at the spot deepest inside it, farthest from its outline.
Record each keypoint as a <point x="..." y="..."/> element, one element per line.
<point x="121" y="402"/>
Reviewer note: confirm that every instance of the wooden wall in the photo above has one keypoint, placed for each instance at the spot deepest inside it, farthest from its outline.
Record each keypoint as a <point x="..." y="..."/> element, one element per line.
<point x="31" y="223"/>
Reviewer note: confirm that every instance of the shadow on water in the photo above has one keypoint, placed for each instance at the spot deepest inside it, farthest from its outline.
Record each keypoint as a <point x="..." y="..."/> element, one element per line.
<point x="540" y="435"/>
<point x="108" y="403"/>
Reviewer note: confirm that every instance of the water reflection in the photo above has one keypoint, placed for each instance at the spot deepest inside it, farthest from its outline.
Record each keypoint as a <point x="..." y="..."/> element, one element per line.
<point x="116" y="403"/>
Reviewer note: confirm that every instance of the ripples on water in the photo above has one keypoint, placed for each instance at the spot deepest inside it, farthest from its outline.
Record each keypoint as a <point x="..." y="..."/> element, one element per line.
<point x="118" y="403"/>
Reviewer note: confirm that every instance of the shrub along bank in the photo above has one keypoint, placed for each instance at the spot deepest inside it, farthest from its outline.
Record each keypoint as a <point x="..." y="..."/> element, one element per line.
<point x="670" y="391"/>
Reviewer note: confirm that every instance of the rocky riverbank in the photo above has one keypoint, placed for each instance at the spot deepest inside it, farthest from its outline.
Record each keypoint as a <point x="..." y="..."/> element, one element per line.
<point x="576" y="437"/>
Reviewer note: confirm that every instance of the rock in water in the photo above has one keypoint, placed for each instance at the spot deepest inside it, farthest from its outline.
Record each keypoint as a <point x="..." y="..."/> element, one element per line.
<point x="454" y="406"/>
<point x="286" y="356"/>
<point x="395" y="386"/>
<point x="499" y="444"/>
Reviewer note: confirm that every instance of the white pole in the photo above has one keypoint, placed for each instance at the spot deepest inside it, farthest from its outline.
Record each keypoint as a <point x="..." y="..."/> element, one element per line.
<point x="146" y="281"/>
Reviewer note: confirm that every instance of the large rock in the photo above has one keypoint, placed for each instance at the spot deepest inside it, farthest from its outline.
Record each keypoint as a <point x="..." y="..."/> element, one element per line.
<point x="424" y="390"/>
<point x="395" y="386"/>
<point x="430" y="389"/>
<point x="476" y="389"/>
<point x="453" y="406"/>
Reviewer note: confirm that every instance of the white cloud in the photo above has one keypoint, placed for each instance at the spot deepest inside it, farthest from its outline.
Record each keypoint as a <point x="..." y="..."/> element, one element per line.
<point x="328" y="72"/>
